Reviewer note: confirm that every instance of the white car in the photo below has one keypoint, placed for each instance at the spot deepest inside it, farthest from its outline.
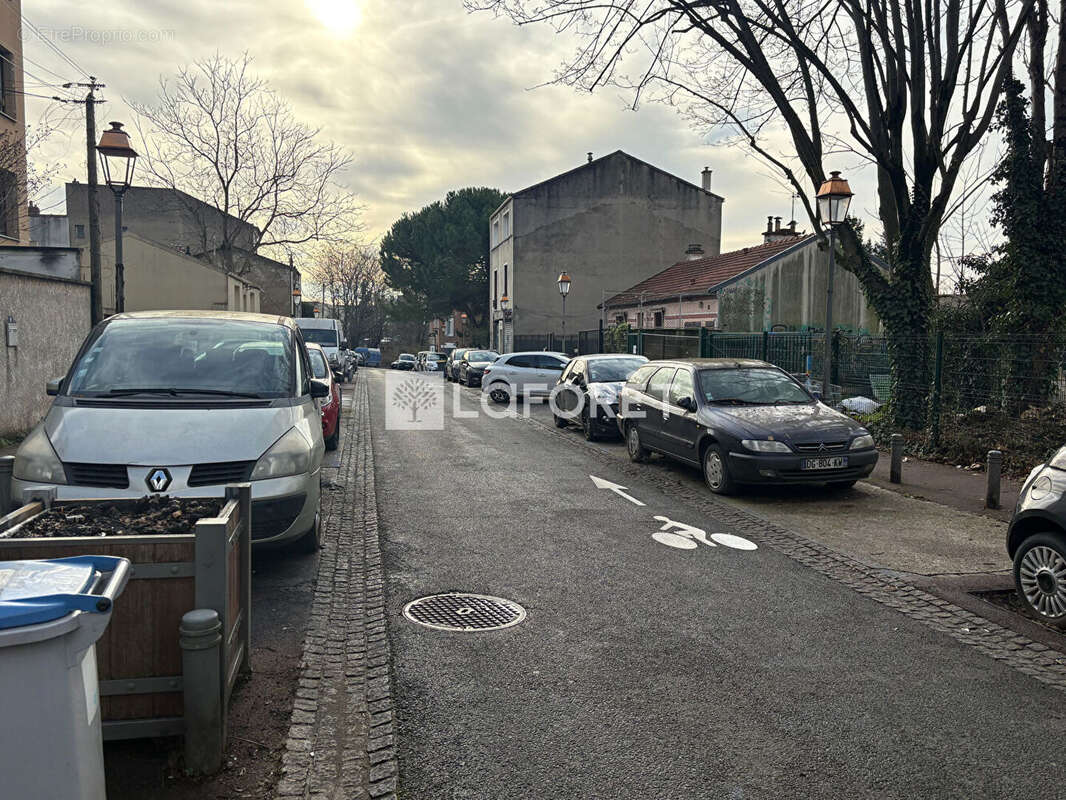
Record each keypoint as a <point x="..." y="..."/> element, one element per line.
<point x="522" y="375"/>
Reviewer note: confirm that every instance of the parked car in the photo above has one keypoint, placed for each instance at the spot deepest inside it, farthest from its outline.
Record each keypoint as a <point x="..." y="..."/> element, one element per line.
<point x="433" y="362"/>
<point x="1036" y="540"/>
<point x="331" y="406"/>
<point x="451" y="367"/>
<point x="405" y="361"/>
<point x="588" y="389"/>
<point x="326" y="332"/>
<point x="522" y="375"/>
<point x="472" y="365"/>
<point x="183" y="403"/>
<point x="743" y="422"/>
<point x="371" y="356"/>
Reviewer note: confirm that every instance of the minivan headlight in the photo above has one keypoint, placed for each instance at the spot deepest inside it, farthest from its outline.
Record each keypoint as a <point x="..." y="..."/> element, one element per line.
<point x="862" y="442"/>
<point x="289" y="455"/>
<point x="36" y="460"/>
<point x="765" y="446"/>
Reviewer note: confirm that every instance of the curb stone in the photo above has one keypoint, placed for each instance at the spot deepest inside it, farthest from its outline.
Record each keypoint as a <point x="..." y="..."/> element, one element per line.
<point x="1016" y="650"/>
<point x="341" y="741"/>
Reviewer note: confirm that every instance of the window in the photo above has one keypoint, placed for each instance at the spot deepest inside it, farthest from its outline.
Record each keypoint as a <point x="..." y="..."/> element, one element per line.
<point x="495" y="287"/>
<point x="525" y="362"/>
<point x="9" y="204"/>
<point x="550" y="363"/>
<point x="659" y="319"/>
<point x="640" y="319"/>
<point x="610" y="370"/>
<point x="505" y="279"/>
<point x="449" y="328"/>
<point x="621" y="319"/>
<point x="752" y="386"/>
<point x="236" y="298"/>
<point x="318" y="363"/>
<point x="495" y="232"/>
<point x="79" y="231"/>
<point x="659" y="382"/>
<point x="7" y="84"/>
<point x="682" y="387"/>
<point x="640" y="377"/>
<point x="506" y="225"/>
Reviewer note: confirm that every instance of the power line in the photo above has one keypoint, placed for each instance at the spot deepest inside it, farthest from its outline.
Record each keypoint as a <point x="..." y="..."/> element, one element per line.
<point x="55" y="48"/>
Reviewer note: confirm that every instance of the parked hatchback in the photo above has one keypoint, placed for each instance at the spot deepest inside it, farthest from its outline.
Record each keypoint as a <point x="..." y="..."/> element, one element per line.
<point x="182" y="403"/>
<point x="472" y="365"/>
<point x="1036" y="540"/>
<point x="522" y="375"/>
<point x="588" y="391"/>
<point x="331" y="406"/>
<point x="743" y="422"/>
<point x="451" y="366"/>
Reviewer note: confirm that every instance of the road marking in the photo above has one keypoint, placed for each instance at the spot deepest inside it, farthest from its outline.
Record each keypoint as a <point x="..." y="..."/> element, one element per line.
<point x="614" y="487"/>
<point x="688" y="537"/>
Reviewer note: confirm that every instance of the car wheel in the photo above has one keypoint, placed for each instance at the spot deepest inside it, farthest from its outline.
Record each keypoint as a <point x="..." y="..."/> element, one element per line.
<point x="312" y="540"/>
<point x="587" y="426"/>
<point x="839" y="486"/>
<point x="1040" y="575"/>
<point x="499" y="394"/>
<point x="561" y="422"/>
<point x="637" y="451"/>
<point x="334" y="441"/>
<point x="716" y="471"/>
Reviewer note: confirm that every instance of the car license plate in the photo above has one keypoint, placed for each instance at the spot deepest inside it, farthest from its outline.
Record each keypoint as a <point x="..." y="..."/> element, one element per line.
<point x="836" y="462"/>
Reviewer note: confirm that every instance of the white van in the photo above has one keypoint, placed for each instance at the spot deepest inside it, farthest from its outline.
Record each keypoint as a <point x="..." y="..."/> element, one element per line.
<point x="325" y="332"/>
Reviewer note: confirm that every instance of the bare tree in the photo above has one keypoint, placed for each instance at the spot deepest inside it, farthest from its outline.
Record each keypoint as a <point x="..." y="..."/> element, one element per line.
<point x="222" y="135"/>
<point x="909" y="87"/>
<point x="351" y="277"/>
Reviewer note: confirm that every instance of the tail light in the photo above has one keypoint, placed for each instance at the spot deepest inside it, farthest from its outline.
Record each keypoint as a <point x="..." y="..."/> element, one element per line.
<point x="488" y="370"/>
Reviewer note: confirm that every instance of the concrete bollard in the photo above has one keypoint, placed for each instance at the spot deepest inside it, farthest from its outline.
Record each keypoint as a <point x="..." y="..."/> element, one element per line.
<point x="995" y="467"/>
<point x="201" y="664"/>
<point x="7" y="464"/>
<point x="895" y="473"/>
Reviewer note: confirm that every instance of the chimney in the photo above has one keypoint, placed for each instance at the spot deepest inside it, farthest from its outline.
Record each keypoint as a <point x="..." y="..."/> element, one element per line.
<point x="777" y="224"/>
<point x="706" y="176"/>
<point x="792" y="227"/>
<point x="775" y="233"/>
<point x="590" y="156"/>
<point x="694" y="252"/>
<point x="770" y="224"/>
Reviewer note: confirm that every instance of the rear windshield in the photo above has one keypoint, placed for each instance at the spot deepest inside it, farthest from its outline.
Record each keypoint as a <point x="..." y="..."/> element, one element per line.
<point x="757" y="386"/>
<point x="407" y="357"/>
<point x="183" y="355"/>
<point x="482" y="355"/>
<point x="327" y="337"/>
<point x="318" y="363"/>
<point x="607" y="370"/>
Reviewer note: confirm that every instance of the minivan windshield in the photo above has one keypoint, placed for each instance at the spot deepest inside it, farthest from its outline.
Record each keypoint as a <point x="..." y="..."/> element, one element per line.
<point x="481" y="355"/>
<point x="327" y="337"/>
<point x="610" y="370"/>
<point x="751" y="386"/>
<point x="187" y="356"/>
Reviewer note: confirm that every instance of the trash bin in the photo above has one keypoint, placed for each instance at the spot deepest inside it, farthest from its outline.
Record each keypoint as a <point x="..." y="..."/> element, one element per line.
<point x="51" y="614"/>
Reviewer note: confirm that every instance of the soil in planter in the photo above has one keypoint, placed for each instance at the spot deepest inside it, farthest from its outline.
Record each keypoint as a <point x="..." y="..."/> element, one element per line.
<point x="148" y="516"/>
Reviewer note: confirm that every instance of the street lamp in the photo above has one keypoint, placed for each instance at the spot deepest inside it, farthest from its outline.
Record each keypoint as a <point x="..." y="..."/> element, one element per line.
<point x="117" y="159"/>
<point x="834" y="197"/>
<point x="505" y="307"/>
<point x="563" y="282"/>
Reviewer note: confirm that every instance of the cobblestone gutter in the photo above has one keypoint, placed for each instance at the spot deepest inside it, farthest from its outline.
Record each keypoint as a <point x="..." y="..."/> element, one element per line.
<point x="341" y="738"/>
<point x="995" y="641"/>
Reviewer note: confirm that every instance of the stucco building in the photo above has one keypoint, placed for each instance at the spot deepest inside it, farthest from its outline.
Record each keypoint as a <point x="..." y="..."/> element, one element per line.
<point x="777" y="285"/>
<point x="180" y="223"/>
<point x="14" y="202"/>
<point x="603" y="223"/>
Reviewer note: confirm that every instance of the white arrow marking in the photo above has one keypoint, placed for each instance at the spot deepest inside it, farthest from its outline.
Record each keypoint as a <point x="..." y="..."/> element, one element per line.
<point x="614" y="487"/>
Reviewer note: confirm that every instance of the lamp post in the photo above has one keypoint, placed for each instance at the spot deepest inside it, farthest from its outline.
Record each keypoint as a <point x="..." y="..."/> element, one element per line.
<point x="117" y="159"/>
<point x="564" y="289"/>
<point x="834" y="197"/>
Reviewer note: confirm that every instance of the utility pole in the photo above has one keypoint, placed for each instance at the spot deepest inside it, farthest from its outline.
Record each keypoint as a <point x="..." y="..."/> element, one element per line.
<point x="96" y="273"/>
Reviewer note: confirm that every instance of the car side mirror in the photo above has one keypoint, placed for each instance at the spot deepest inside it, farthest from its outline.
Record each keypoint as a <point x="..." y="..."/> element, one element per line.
<point x="687" y="403"/>
<point x="319" y="389"/>
<point x="53" y="387"/>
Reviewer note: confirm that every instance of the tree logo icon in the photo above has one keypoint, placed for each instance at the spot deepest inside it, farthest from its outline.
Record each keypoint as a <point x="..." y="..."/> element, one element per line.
<point x="414" y="402"/>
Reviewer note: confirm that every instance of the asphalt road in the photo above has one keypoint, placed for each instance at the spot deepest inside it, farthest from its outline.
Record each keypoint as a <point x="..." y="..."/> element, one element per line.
<point x="645" y="671"/>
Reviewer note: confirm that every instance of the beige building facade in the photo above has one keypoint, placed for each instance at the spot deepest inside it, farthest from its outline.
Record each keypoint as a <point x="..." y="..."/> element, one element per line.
<point x="14" y="200"/>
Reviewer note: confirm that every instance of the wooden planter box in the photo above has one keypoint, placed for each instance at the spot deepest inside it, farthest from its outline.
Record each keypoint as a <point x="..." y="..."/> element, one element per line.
<point x="139" y="660"/>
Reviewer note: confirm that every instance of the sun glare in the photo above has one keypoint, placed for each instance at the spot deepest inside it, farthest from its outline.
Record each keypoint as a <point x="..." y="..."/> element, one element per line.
<point x="339" y="16"/>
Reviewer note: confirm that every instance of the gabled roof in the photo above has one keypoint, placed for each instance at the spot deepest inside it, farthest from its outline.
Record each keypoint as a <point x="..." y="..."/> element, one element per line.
<point x="176" y="253"/>
<point x="703" y="275"/>
<point x="588" y="164"/>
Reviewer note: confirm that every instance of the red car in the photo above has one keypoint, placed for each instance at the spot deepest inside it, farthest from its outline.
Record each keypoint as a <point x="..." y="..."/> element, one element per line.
<point x="331" y="407"/>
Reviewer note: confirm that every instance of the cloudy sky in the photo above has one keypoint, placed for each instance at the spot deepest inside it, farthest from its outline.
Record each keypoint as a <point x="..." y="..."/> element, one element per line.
<point x="425" y="96"/>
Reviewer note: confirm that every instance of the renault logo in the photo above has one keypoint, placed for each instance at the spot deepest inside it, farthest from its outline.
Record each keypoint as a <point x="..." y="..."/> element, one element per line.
<point x="158" y="479"/>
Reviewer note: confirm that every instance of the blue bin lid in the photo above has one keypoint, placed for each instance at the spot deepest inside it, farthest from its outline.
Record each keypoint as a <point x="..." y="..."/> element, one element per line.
<point x="32" y="592"/>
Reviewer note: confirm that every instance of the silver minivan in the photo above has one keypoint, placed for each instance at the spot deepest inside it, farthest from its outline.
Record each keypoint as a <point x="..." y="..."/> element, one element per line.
<point x="182" y="403"/>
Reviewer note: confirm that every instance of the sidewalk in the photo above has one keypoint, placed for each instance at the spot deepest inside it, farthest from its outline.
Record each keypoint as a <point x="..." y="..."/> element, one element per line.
<point x="949" y="486"/>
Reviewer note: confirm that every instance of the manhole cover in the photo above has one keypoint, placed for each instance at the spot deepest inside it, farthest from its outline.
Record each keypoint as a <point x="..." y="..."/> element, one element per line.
<point x="464" y="612"/>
